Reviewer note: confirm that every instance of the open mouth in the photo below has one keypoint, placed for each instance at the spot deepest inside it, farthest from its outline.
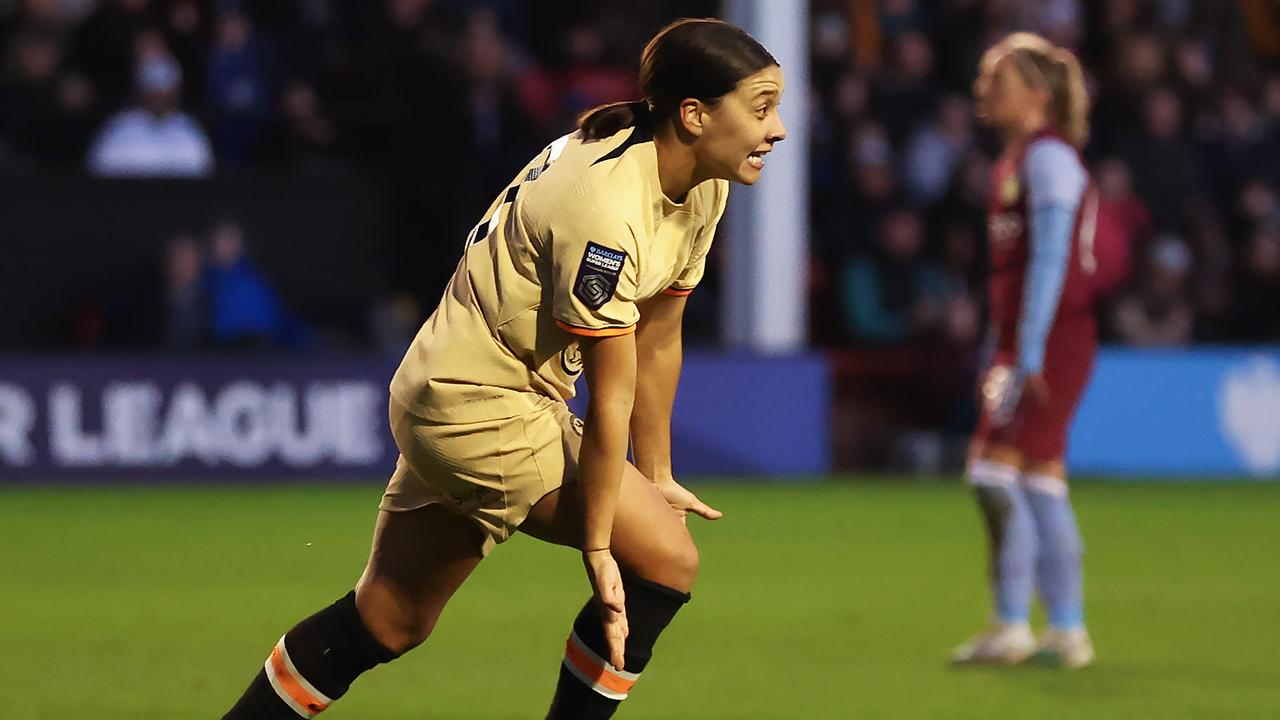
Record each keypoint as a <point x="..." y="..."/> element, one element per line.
<point x="756" y="159"/>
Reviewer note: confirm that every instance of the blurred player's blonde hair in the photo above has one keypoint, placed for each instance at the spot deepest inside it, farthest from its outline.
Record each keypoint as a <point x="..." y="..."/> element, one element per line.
<point x="1056" y="70"/>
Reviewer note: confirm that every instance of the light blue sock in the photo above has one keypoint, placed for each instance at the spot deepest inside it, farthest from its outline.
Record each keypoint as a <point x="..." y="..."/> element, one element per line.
<point x="1011" y="530"/>
<point x="1059" y="568"/>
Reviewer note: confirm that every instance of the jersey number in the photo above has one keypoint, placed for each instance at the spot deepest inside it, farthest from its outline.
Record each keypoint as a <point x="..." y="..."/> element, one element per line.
<point x="485" y="227"/>
<point x="1089" y="233"/>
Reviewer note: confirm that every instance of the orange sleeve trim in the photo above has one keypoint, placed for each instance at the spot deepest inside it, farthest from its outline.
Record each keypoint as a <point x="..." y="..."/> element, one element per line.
<point x="601" y="332"/>
<point x="677" y="292"/>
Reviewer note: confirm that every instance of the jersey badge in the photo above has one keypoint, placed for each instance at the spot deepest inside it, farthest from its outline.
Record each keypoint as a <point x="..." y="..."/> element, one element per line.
<point x="598" y="275"/>
<point x="1009" y="190"/>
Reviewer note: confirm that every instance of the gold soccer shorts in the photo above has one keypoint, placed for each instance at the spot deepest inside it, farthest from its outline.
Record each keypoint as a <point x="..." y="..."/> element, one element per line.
<point x="492" y="471"/>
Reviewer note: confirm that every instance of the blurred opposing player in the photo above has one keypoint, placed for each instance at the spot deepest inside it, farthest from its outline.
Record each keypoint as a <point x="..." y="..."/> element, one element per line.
<point x="581" y="265"/>
<point x="1042" y="225"/>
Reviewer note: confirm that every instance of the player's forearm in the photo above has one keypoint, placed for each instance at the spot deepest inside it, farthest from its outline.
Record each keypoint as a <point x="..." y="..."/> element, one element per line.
<point x="610" y="367"/>
<point x="600" y="465"/>
<point x="659" y="364"/>
<point x="1051" y="227"/>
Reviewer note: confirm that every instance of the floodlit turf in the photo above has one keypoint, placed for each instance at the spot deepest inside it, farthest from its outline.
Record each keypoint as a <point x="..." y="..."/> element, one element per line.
<point x="829" y="601"/>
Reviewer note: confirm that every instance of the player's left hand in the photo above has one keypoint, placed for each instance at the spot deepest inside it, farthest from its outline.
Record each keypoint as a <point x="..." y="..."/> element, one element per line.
<point x="685" y="502"/>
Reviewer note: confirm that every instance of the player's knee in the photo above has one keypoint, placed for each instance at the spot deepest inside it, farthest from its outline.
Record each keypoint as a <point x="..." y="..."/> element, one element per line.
<point x="395" y="619"/>
<point x="404" y="633"/>
<point x="681" y="562"/>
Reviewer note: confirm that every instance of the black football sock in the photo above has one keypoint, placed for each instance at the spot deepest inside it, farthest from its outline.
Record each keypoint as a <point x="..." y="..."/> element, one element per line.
<point x="312" y="665"/>
<point x="589" y="687"/>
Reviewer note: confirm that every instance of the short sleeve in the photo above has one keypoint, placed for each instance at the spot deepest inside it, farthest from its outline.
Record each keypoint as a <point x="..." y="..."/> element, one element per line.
<point x="693" y="270"/>
<point x="1054" y="174"/>
<point x="594" y="276"/>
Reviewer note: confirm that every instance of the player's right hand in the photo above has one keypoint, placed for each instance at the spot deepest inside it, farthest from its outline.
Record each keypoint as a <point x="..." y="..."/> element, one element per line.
<point x="685" y="502"/>
<point x="1001" y="393"/>
<point x="606" y="583"/>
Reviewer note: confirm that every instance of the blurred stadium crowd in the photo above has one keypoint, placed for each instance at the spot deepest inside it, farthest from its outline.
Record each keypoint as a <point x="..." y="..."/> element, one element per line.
<point x="444" y="99"/>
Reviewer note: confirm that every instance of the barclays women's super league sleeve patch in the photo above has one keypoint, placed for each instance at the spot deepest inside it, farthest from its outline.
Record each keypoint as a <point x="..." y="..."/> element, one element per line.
<point x="598" y="275"/>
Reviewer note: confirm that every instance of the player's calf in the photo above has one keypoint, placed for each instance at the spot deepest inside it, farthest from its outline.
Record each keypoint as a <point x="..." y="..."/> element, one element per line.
<point x="312" y="665"/>
<point x="1060" y="564"/>
<point x="1012" y="537"/>
<point x="590" y="687"/>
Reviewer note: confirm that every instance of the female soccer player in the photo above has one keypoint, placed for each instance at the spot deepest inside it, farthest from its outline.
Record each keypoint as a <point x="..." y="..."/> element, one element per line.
<point x="581" y="266"/>
<point x="1041" y="226"/>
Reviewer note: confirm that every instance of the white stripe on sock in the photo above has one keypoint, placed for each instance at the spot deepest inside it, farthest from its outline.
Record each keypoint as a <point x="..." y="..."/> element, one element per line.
<point x="1045" y="485"/>
<point x="988" y="473"/>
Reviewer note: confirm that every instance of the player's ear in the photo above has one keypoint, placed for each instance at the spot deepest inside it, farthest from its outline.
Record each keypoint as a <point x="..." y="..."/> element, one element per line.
<point x="692" y="116"/>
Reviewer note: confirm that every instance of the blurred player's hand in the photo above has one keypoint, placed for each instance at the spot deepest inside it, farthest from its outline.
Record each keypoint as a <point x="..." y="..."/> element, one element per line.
<point x="685" y="502"/>
<point x="1001" y="393"/>
<point x="606" y="582"/>
<point x="1004" y="388"/>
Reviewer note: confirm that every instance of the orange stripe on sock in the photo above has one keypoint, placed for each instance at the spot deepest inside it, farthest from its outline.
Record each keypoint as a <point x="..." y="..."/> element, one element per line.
<point x="290" y="685"/>
<point x="599" y="674"/>
<point x="1049" y="468"/>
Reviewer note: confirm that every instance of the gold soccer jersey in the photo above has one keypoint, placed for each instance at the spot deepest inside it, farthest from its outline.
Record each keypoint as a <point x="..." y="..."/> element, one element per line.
<point x="583" y="235"/>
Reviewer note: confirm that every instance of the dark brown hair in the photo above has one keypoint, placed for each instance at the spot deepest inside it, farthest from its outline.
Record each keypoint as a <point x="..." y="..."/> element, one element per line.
<point x="690" y="58"/>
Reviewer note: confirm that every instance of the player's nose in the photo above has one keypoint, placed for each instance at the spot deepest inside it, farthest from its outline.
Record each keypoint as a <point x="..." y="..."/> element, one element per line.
<point x="778" y="132"/>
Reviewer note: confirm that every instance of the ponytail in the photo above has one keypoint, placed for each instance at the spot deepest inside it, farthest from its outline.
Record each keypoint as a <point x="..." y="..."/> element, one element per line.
<point x="1058" y="72"/>
<point x="1071" y="98"/>
<point x="601" y="122"/>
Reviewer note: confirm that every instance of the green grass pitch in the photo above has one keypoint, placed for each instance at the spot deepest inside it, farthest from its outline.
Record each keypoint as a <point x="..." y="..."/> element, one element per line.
<point x="834" y="600"/>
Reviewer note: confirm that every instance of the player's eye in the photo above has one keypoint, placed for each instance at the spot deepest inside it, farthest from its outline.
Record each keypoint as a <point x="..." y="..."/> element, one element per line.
<point x="762" y="111"/>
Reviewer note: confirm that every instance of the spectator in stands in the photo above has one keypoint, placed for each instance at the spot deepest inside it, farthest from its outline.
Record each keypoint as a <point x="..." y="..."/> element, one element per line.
<point x="1159" y="313"/>
<point x="1240" y="151"/>
<point x="935" y="150"/>
<point x="240" y="87"/>
<point x="186" y="310"/>
<point x="155" y="139"/>
<point x="501" y="133"/>
<point x="1258" y="287"/>
<point x="1165" y="166"/>
<point x="44" y="110"/>
<point x="893" y="294"/>
<point x="1118" y="201"/>
<point x="903" y="93"/>
<point x="245" y="310"/>
<point x="304" y="137"/>
<point x="875" y="183"/>
<point x="104" y="46"/>
<point x="588" y="79"/>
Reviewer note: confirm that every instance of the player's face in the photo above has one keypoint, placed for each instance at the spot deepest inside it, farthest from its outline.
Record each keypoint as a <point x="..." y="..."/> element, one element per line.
<point x="982" y="83"/>
<point x="743" y="127"/>
<point x="1009" y="99"/>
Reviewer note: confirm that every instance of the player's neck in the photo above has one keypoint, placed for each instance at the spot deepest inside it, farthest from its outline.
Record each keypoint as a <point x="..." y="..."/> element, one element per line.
<point x="1018" y="135"/>
<point x="677" y="167"/>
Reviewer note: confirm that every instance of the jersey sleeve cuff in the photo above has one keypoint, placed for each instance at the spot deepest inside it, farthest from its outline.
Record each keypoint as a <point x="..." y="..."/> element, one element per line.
<point x="677" y="292"/>
<point x="595" y="332"/>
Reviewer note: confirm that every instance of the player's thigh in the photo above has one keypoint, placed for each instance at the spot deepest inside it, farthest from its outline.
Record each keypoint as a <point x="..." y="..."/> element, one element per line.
<point x="649" y="539"/>
<point x="418" y="560"/>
